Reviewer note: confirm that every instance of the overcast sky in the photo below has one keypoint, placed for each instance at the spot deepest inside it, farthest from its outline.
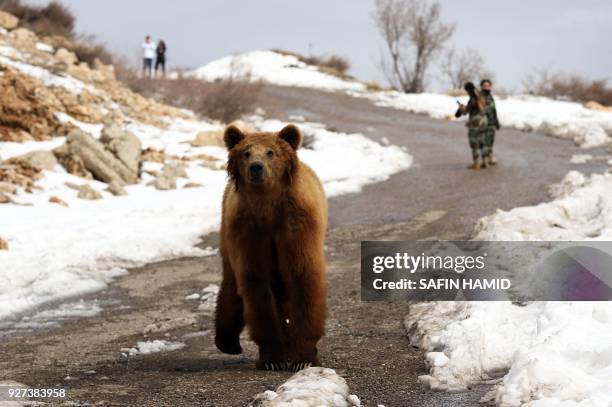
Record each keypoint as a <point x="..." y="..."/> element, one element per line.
<point x="514" y="37"/>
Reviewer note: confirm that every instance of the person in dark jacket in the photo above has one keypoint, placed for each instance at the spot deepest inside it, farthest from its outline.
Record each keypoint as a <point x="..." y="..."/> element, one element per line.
<point x="491" y="113"/>
<point x="476" y="124"/>
<point x="160" y="57"/>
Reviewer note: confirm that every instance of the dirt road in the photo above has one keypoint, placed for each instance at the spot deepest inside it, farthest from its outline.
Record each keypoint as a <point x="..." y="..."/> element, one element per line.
<point x="438" y="198"/>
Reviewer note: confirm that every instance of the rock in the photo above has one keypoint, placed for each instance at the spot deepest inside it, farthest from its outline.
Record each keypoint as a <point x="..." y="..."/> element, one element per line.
<point x="5" y="198"/>
<point x="98" y="160"/>
<point x="56" y="200"/>
<point x="7" y="20"/>
<point x="73" y="164"/>
<point x="597" y="106"/>
<point x="124" y="145"/>
<point x="67" y="58"/>
<point x="208" y="138"/>
<point x="24" y="37"/>
<point x="107" y="71"/>
<point x="116" y="189"/>
<point x="42" y="159"/>
<point x="19" y="172"/>
<point x="7" y="188"/>
<point x="3" y="245"/>
<point x="156" y="156"/>
<point x="87" y="192"/>
<point x="167" y="179"/>
<point x="193" y="185"/>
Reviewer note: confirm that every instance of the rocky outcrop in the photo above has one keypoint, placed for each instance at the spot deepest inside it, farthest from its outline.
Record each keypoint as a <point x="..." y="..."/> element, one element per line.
<point x="99" y="160"/>
<point x="19" y="172"/>
<point x="42" y="159"/>
<point x="8" y="21"/>
<point x="124" y="145"/>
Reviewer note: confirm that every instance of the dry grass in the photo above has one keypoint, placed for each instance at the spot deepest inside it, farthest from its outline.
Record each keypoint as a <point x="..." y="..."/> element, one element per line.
<point x="333" y="64"/>
<point x="571" y="87"/>
<point x="52" y="19"/>
<point x="224" y="100"/>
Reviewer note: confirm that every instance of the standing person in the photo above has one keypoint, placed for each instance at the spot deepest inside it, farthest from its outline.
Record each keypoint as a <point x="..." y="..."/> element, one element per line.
<point x="160" y="58"/>
<point x="476" y="124"/>
<point x="491" y="112"/>
<point x="148" y="53"/>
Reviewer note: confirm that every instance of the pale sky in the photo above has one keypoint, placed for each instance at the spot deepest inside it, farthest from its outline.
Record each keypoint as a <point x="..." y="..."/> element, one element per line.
<point x="513" y="37"/>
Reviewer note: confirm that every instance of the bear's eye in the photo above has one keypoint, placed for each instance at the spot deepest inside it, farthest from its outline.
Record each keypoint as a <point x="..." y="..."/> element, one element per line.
<point x="270" y="153"/>
<point x="247" y="154"/>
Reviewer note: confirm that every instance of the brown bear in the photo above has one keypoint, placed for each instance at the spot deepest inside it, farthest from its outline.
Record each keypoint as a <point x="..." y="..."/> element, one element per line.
<point x="272" y="235"/>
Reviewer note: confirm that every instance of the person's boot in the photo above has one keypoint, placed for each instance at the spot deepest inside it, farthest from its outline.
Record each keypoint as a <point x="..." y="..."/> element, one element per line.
<point x="475" y="165"/>
<point x="486" y="162"/>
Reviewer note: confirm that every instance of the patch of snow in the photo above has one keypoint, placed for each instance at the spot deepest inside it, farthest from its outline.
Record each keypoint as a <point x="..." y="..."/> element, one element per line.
<point x="41" y="46"/>
<point x="311" y="387"/>
<point x="276" y="68"/>
<point x="10" y="149"/>
<point x="194" y="296"/>
<point x="541" y="353"/>
<point x="581" y="158"/>
<point x="94" y="129"/>
<point x="155" y="346"/>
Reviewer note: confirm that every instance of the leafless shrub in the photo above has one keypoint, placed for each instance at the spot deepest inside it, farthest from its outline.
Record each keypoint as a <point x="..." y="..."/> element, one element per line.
<point x="567" y="86"/>
<point x="52" y="19"/>
<point x="414" y="34"/>
<point x="461" y="67"/>
<point x="224" y="100"/>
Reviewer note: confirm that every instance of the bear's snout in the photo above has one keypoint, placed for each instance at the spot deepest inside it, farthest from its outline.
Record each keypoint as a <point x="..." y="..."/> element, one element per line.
<point x="256" y="172"/>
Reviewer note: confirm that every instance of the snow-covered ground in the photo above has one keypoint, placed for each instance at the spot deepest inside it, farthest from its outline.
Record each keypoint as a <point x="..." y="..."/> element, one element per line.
<point x="543" y="353"/>
<point x="311" y="387"/>
<point x="154" y="346"/>
<point x="273" y="67"/>
<point x="58" y="251"/>
<point x="587" y="127"/>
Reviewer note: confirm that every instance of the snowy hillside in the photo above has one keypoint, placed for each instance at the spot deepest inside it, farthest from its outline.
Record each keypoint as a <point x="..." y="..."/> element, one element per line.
<point x="587" y="127"/>
<point x="275" y="68"/>
<point x="102" y="179"/>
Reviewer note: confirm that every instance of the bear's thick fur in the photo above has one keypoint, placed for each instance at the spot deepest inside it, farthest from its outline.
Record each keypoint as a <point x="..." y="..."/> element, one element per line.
<point x="272" y="235"/>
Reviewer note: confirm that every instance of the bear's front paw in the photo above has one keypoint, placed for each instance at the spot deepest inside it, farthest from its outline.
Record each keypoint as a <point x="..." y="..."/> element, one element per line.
<point x="228" y="345"/>
<point x="297" y="366"/>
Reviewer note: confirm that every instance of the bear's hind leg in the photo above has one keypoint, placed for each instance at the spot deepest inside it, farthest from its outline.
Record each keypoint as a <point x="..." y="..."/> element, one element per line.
<point x="229" y="315"/>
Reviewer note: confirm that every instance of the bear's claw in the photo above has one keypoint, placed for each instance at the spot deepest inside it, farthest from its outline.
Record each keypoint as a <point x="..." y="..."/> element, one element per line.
<point x="297" y="366"/>
<point x="275" y="366"/>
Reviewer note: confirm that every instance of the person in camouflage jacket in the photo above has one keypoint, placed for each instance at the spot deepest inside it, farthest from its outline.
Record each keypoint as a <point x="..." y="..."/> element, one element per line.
<point x="476" y="124"/>
<point x="492" y="120"/>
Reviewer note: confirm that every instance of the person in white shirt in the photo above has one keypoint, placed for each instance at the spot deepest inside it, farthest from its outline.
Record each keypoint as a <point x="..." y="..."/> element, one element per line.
<point x="149" y="51"/>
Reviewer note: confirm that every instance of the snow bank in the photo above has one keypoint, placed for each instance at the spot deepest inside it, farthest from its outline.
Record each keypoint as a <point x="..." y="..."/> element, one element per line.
<point x="587" y="127"/>
<point x="542" y="353"/>
<point x="57" y="251"/>
<point x="311" y="387"/>
<point x="276" y="68"/>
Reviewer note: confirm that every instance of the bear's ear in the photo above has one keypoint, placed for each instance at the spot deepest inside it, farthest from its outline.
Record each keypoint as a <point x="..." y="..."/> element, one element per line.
<point x="232" y="136"/>
<point x="292" y="135"/>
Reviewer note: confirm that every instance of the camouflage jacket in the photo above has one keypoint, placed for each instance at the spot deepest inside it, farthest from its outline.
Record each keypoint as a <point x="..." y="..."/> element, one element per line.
<point x="475" y="109"/>
<point x="490" y="110"/>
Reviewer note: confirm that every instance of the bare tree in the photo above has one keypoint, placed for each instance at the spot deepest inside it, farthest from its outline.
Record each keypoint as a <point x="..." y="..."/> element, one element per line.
<point x="414" y="34"/>
<point x="461" y="67"/>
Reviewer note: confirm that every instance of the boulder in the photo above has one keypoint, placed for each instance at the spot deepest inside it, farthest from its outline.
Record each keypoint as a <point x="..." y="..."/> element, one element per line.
<point x="73" y="164"/>
<point x="116" y="189"/>
<point x="7" y="188"/>
<point x="5" y="198"/>
<point x="85" y="191"/>
<point x="8" y="21"/>
<point x="167" y="178"/>
<point x="98" y="160"/>
<point x="24" y="37"/>
<point x="42" y="159"/>
<point x="67" y="58"/>
<point x="124" y="145"/>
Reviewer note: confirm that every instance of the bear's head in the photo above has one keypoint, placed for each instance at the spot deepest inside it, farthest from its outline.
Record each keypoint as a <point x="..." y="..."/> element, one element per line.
<point x="262" y="161"/>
